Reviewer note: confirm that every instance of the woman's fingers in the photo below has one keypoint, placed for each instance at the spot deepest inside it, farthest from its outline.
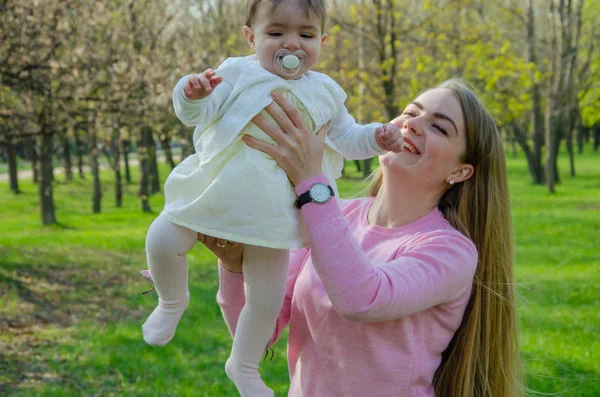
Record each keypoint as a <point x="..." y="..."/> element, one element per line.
<point x="265" y="147"/>
<point x="229" y="253"/>
<point x="323" y="132"/>
<point x="282" y="119"/>
<point x="215" y="244"/>
<point x="291" y="113"/>
<point x="273" y="130"/>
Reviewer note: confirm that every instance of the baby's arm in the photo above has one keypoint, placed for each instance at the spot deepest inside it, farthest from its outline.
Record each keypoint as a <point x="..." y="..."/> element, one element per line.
<point x="198" y="97"/>
<point x="353" y="140"/>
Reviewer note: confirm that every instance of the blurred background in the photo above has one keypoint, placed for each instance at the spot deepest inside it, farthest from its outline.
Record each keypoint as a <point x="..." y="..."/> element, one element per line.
<point x="88" y="135"/>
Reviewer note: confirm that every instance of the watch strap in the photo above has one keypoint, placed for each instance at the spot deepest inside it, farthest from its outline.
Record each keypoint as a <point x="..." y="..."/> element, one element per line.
<point x="305" y="198"/>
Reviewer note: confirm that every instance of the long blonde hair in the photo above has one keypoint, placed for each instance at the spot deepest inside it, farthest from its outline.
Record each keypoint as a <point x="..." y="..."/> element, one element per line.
<point x="483" y="358"/>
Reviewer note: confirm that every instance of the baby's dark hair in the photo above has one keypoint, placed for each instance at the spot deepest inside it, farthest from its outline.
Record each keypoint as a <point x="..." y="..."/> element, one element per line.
<point x="310" y="7"/>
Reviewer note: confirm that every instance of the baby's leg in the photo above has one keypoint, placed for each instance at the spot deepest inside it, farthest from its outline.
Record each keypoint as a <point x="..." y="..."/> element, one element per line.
<point x="166" y="247"/>
<point x="265" y="272"/>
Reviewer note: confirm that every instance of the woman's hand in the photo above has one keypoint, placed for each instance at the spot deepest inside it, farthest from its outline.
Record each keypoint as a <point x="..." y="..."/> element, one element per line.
<point x="300" y="152"/>
<point x="229" y="253"/>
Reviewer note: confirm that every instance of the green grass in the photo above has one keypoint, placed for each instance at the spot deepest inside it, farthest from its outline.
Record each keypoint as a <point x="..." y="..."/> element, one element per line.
<point x="71" y="305"/>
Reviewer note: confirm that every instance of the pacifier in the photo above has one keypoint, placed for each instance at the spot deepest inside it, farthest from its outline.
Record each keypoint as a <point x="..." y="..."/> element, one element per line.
<point x="289" y="63"/>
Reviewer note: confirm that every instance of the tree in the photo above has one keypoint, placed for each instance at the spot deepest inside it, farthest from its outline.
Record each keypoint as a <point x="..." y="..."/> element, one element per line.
<point x="31" y="36"/>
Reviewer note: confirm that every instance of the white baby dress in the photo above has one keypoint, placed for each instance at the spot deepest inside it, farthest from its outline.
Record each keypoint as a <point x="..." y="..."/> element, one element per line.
<point x="231" y="191"/>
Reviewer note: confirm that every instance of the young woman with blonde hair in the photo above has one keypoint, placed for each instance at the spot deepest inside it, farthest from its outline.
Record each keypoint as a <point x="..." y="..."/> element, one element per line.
<point x="408" y="292"/>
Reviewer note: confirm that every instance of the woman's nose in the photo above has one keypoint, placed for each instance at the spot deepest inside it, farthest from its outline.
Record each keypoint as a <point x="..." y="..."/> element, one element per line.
<point x="414" y="125"/>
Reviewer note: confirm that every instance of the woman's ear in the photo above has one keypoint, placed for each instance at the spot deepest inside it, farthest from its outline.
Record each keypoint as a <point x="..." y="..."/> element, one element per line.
<point x="249" y="35"/>
<point x="464" y="172"/>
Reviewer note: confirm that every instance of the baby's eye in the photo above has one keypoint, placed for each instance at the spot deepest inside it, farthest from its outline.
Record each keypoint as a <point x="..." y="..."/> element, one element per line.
<point x="306" y="36"/>
<point x="275" y="34"/>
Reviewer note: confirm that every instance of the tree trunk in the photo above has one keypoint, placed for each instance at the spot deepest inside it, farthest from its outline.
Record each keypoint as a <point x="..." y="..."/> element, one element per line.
<point x="116" y="149"/>
<point x="66" y="151"/>
<point x="360" y="116"/>
<point x="34" y="158"/>
<point x="358" y="165"/>
<point x="513" y="144"/>
<point x="596" y="130"/>
<point x="367" y="167"/>
<point x="153" y="164"/>
<point x="94" y="165"/>
<point x="535" y="168"/>
<point x="557" y="125"/>
<point x="45" y="173"/>
<point x="556" y="137"/>
<point x="573" y="124"/>
<point x="549" y="164"/>
<point x="387" y="57"/>
<point x="79" y="152"/>
<point x="125" y="143"/>
<point x="535" y="162"/>
<point x="144" y="166"/>
<point x="165" y="138"/>
<point x="97" y="192"/>
<point x="582" y="135"/>
<point x="13" y="173"/>
<point x="52" y="131"/>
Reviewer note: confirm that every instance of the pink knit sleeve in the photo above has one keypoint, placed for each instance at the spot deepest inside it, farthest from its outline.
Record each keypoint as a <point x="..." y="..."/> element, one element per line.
<point x="230" y="296"/>
<point x="437" y="269"/>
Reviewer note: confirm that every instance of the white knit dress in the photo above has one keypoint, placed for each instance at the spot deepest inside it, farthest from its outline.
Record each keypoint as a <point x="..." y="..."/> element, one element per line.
<point x="231" y="191"/>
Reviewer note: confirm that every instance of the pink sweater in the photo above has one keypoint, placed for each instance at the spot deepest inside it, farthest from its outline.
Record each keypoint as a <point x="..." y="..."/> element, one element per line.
<point x="370" y="309"/>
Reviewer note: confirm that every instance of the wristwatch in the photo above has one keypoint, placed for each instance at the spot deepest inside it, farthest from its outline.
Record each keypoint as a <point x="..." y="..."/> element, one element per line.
<point x="318" y="193"/>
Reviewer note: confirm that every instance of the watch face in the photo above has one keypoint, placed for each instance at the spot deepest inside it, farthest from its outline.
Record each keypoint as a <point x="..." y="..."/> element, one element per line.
<point x="320" y="193"/>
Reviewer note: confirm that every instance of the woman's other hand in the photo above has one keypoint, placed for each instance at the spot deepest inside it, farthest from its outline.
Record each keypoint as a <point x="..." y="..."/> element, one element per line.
<point x="299" y="152"/>
<point x="229" y="253"/>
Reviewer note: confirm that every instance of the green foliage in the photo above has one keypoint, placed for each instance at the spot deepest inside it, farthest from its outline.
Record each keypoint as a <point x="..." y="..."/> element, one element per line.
<point x="430" y="50"/>
<point x="72" y="307"/>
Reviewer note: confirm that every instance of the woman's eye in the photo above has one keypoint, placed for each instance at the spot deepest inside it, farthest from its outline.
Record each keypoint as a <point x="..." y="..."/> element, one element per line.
<point x="440" y="129"/>
<point x="409" y="113"/>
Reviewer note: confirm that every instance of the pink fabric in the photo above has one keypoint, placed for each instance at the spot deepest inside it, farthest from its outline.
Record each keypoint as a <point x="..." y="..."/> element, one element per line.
<point x="370" y="309"/>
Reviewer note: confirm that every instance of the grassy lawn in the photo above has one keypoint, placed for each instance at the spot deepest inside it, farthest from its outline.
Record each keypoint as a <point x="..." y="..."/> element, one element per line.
<point x="71" y="305"/>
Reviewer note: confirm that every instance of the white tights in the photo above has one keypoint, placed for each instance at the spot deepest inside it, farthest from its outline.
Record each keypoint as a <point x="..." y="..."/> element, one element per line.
<point x="265" y="272"/>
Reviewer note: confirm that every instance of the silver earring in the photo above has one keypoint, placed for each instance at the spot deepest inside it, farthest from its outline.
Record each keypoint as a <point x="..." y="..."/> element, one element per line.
<point x="451" y="182"/>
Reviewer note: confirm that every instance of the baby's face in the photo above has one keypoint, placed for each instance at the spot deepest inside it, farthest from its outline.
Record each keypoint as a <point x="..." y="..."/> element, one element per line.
<point x="285" y="27"/>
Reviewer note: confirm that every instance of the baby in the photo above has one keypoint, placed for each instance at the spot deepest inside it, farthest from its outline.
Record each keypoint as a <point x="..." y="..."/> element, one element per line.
<point x="235" y="193"/>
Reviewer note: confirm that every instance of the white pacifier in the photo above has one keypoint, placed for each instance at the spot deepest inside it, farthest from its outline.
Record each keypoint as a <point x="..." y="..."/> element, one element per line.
<point x="289" y="63"/>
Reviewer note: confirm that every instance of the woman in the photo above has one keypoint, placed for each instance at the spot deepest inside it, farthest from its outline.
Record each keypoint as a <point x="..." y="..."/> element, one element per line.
<point x="408" y="292"/>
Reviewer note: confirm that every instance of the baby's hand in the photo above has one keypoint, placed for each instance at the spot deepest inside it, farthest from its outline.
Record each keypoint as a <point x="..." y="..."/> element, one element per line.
<point x="389" y="138"/>
<point x="201" y="85"/>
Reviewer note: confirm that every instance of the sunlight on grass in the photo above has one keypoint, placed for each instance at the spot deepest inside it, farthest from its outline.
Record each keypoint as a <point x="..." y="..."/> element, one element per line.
<point x="72" y="304"/>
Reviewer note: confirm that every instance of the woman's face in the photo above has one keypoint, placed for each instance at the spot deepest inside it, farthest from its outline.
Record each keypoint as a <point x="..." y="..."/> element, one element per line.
<point x="433" y="128"/>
